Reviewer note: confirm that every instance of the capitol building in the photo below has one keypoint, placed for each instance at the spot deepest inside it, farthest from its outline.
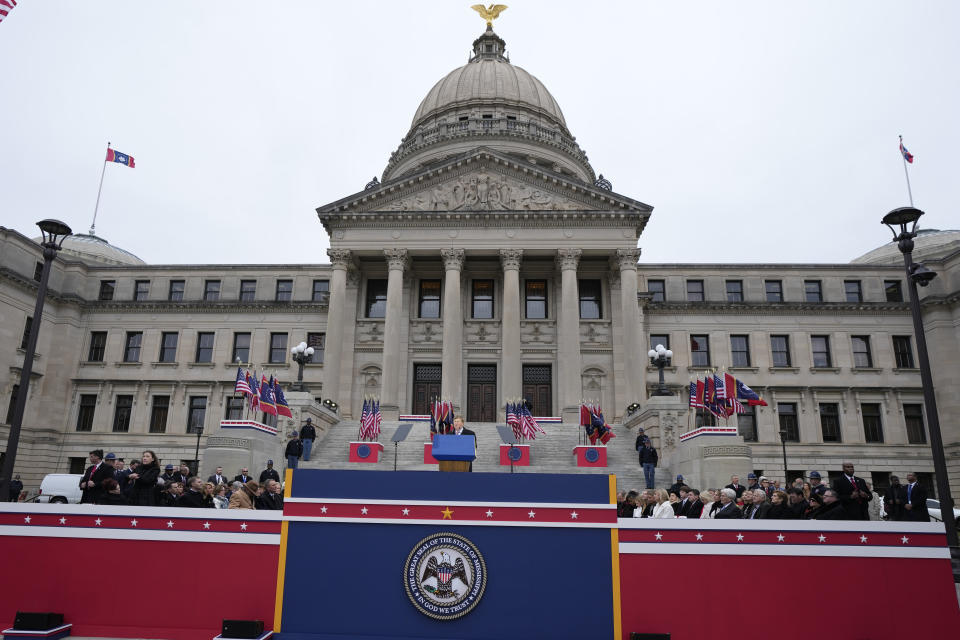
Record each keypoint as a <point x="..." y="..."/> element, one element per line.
<point x="488" y="262"/>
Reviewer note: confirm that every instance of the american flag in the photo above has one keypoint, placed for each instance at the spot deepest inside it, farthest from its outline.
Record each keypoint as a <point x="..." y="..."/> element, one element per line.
<point x="719" y="390"/>
<point x="514" y="420"/>
<point x="6" y="6"/>
<point x="377" y="419"/>
<point x="254" y="391"/>
<point x="528" y="424"/>
<point x="363" y="418"/>
<point x="693" y="395"/>
<point x="241" y="386"/>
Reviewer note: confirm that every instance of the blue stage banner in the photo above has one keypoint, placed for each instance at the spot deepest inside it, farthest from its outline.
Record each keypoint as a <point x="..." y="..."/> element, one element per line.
<point x="439" y="555"/>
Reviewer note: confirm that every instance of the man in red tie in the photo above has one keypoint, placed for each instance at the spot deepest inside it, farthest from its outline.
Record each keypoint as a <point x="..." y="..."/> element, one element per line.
<point x="95" y="474"/>
<point x="853" y="493"/>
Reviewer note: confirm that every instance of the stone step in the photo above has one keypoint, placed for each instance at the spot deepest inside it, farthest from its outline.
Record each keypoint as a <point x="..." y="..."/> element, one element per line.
<point x="551" y="452"/>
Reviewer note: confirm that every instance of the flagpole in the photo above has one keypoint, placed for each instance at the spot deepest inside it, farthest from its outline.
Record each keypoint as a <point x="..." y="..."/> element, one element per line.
<point x="93" y="225"/>
<point x="905" y="172"/>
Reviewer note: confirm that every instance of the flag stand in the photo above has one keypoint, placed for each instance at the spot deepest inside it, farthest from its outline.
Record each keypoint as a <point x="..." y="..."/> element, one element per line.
<point x="93" y="225"/>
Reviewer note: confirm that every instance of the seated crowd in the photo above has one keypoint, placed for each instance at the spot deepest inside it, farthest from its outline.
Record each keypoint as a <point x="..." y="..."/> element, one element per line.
<point x="848" y="498"/>
<point x="109" y="481"/>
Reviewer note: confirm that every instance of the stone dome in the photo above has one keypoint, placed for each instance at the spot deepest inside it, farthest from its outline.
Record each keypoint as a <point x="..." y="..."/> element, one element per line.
<point x="492" y="103"/>
<point x="92" y="248"/>
<point x="929" y="243"/>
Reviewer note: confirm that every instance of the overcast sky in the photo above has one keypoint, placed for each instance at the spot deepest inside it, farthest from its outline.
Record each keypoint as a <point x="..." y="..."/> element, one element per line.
<point x="760" y="131"/>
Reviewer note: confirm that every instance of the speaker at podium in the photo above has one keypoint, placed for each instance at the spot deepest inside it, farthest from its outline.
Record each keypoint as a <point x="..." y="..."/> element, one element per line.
<point x="455" y="453"/>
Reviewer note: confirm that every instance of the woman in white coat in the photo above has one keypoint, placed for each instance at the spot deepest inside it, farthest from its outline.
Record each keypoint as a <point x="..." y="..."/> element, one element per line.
<point x="663" y="508"/>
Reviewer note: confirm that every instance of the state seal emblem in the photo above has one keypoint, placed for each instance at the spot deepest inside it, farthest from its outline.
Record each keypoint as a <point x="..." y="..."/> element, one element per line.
<point x="445" y="576"/>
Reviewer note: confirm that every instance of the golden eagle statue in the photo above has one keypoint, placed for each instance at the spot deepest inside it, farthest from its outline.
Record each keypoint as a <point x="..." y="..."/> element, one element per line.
<point x="489" y="13"/>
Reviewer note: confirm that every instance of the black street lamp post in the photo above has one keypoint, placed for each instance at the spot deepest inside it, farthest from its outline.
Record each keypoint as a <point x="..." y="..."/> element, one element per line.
<point x="54" y="233"/>
<point x="660" y="357"/>
<point x="302" y="354"/>
<point x="918" y="274"/>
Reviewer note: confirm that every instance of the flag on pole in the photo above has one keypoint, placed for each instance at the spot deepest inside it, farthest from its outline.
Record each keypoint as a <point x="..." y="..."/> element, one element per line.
<point x="363" y="418"/>
<point x="283" y="408"/>
<point x="746" y="393"/>
<point x="513" y="420"/>
<point x="906" y="154"/>
<point x="120" y="158"/>
<point x="6" y="6"/>
<point x="241" y="385"/>
<point x="254" y="391"/>
<point x="377" y="419"/>
<point x="266" y="395"/>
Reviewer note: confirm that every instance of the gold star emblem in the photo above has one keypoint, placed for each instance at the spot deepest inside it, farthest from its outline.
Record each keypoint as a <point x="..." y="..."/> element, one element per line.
<point x="447" y="514"/>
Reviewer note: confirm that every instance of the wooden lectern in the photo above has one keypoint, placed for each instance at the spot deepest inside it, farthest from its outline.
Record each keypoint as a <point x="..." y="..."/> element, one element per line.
<point x="454" y="453"/>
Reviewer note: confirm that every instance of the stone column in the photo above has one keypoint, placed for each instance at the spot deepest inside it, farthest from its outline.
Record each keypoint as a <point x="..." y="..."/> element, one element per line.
<point x="450" y="386"/>
<point x="510" y="341"/>
<point x="336" y="305"/>
<point x="632" y="340"/>
<point x="568" y="336"/>
<point x="390" y="385"/>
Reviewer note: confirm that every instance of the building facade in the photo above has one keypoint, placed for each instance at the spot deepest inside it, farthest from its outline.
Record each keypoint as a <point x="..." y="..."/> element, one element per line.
<point x="488" y="262"/>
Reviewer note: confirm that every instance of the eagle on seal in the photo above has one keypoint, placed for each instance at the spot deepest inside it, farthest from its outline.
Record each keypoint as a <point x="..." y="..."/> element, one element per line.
<point x="444" y="572"/>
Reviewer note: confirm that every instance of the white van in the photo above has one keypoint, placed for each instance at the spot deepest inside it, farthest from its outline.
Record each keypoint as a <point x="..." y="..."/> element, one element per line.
<point x="60" y="487"/>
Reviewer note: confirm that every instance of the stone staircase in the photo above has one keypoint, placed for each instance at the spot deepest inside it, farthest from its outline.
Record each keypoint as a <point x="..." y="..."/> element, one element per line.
<point x="549" y="453"/>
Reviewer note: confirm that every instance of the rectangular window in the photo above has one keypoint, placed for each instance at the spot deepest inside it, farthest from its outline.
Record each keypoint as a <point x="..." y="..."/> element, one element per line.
<point x="168" y="346"/>
<point x="780" y="349"/>
<point x="429" y="300"/>
<point x="107" y="288"/>
<point x="482" y="299"/>
<point x="98" y="346"/>
<point x="234" y="409"/>
<point x="13" y="402"/>
<point x="131" y="348"/>
<point x="862" y="358"/>
<point x="211" y="290"/>
<point x="248" y="290"/>
<point x="813" y="291"/>
<point x="903" y="352"/>
<point x="38" y="272"/>
<point x="893" y="290"/>
<point x="25" y="338"/>
<point x="317" y="341"/>
<point x="176" y="290"/>
<point x="695" y="291"/>
<point x="321" y="291"/>
<point x="158" y="414"/>
<point x="830" y="421"/>
<point x="535" y="296"/>
<point x="747" y="424"/>
<point x="241" y="348"/>
<point x="121" y="414"/>
<point x="774" y="289"/>
<point x="700" y="351"/>
<point x="853" y="290"/>
<point x="88" y="405"/>
<point x="659" y="338"/>
<point x="789" y="429"/>
<point x="204" y="346"/>
<point x="590" y="300"/>
<point x="872" y="425"/>
<point x="913" y="416"/>
<point x="141" y="289"/>
<point x="821" y="351"/>
<point x="78" y="464"/>
<point x="377" y="299"/>
<point x="734" y="290"/>
<point x="197" y="414"/>
<point x="284" y="290"/>
<point x="659" y="290"/>
<point x="740" y="350"/>
<point x="278" y="348"/>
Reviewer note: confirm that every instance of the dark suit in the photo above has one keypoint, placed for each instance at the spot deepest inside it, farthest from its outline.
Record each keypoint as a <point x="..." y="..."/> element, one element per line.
<point x="729" y="511"/>
<point x="269" y="474"/>
<point x="754" y="512"/>
<point x="893" y="501"/>
<point x="739" y="489"/>
<point x="270" y="501"/>
<point x="97" y="474"/>
<point x="856" y="508"/>
<point x="242" y="478"/>
<point x="216" y="480"/>
<point x="917" y="499"/>
<point x="695" y="509"/>
<point x="194" y="499"/>
<point x="834" y="511"/>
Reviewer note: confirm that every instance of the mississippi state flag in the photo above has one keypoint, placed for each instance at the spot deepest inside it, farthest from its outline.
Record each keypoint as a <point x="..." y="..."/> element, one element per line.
<point x="903" y="150"/>
<point x="120" y="158"/>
